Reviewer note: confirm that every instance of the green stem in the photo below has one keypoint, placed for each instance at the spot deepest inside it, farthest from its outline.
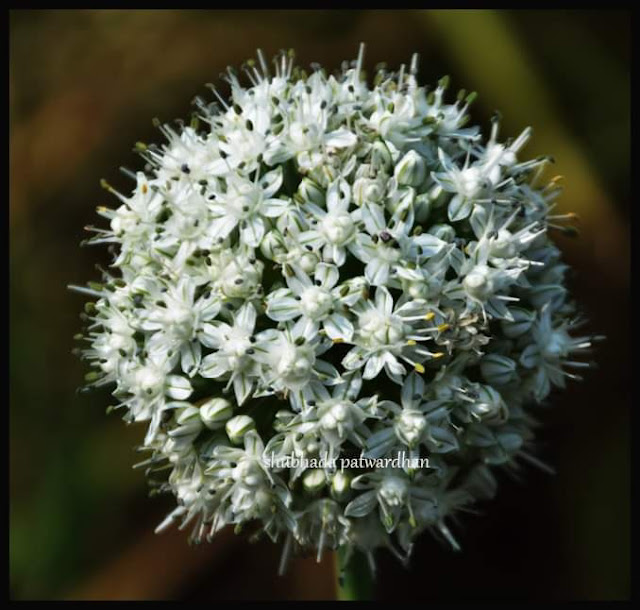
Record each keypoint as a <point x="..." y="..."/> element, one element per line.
<point x="354" y="580"/>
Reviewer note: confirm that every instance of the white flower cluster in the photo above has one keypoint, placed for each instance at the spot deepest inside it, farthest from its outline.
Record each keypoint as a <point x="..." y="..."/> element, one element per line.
<point x="318" y="269"/>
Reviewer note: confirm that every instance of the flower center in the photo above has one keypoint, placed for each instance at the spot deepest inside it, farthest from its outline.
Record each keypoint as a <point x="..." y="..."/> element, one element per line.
<point x="478" y="283"/>
<point x="150" y="380"/>
<point x="469" y="182"/>
<point x="305" y="136"/>
<point x="316" y="302"/>
<point x="409" y="427"/>
<point x="295" y="365"/>
<point x="236" y="347"/>
<point x="248" y="473"/>
<point x="388" y="254"/>
<point x="238" y="282"/>
<point x="338" y="417"/>
<point x="338" y="228"/>
<point x="555" y="347"/>
<point x="381" y="330"/>
<point x="503" y="246"/>
<point x="394" y="491"/>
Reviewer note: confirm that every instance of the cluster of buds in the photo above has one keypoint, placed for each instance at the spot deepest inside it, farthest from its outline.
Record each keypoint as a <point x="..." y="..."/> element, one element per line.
<point x="322" y="269"/>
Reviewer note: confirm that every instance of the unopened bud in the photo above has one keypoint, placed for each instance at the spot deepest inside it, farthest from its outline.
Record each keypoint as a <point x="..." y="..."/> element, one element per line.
<point x="497" y="369"/>
<point x="314" y="480"/>
<point x="238" y="426"/>
<point x="215" y="412"/>
<point x="411" y="171"/>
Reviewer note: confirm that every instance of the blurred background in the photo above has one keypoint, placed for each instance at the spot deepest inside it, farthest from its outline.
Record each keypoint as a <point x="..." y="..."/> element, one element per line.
<point x="84" y="86"/>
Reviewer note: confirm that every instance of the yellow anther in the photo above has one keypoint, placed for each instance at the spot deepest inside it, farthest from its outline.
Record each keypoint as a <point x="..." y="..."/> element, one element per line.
<point x="145" y="189"/>
<point x="411" y="342"/>
<point x="437" y="355"/>
<point x="419" y="368"/>
<point x="442" y="327"/>
<point x="430" y="316"/>
<point x="338" y="340"/>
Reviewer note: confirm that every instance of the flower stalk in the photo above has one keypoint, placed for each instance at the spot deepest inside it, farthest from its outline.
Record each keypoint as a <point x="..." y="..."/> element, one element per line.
<point x="354" y="578"/>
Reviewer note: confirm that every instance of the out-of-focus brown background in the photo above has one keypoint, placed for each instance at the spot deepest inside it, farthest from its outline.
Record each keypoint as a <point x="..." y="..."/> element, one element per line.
<point x="84" y="85"/>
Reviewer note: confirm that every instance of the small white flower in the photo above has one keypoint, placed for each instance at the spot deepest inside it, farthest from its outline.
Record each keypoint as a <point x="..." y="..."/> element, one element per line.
<point x="234" y="352"/>
<point x="385" y="335"/>
<point x="246" y="204"/>
<point x="318" y="302"/>
<point x="332" y="229"/>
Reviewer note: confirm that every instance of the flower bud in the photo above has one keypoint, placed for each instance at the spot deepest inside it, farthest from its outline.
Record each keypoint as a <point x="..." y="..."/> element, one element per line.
<point x="311" y="192"/>
<point x="412" y="170"/>
<point x="314" y="480"/>
<point x="497" y="369"/>
<point x="215" y="412"/>
<point x="189" y="424"/>
<point x="553" y="294"/>
<point x="340" y="485"/>
<point x="410" y="426"/>
<point x="444" y="232"/>
<point x="489" y="405"/>
<point x="187" y="414"/>
<point x="422" y="207"/>
<point x="307" y="261"/>
<point x="238" y="426"/>
<point x="522" y="322"/>
<point x="478" y="283"/>
<point x="272" y="245"/>
<point x="380" y="156"/>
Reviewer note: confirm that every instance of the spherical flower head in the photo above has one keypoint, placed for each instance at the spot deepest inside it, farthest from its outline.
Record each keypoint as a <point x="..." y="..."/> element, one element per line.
<point x="335" y="305"/>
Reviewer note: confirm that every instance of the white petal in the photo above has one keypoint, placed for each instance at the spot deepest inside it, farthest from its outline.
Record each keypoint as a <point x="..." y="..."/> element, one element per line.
<point x="393" y="367"/>
<point x="327" y="274"/>
<point x="338" y="327"/>
<point x="277" y="152"/>
<point x="412" y="391"/>
<point x="377" y="272"/>
<point x="327" y="372"/>
<point x="373" y="216"/>
<point x="373" y="367"/>
<point x="246" y="317"/>
<point x="478" y="220"/>
<point x="212" y="334"/>
<point x="338" y="196"/>
<point x="383" y="301"/>
<point x="429" y="244"/>
<point x="271" y="182"/>
<point x="272" y="208"/>
<point x="362" y="505"/>
<point x="283" y="308"/>
<point x="310" y="238"/>
<point x="190" y="356"/>
<point x="299" y="282"/>
<point x="221" y="227"/>
<point x="354" y="359"/>
<point x="380" y="443"/>
<point x="213" y="366"/>
<point x="253" y="232"/>
<point x="459" y="208"/>
<point x="340" y="138"/>
<point x="338" y="255"/>
<point x="241" y="387"/>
